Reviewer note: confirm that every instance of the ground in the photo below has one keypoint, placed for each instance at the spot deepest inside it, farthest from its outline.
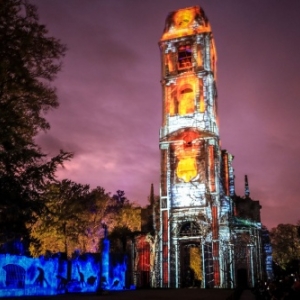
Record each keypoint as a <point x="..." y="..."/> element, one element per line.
<point x="154" y="294"/>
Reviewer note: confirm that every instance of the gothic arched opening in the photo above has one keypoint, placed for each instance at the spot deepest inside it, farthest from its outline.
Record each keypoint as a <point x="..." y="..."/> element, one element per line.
<point x="15" y="276"/>
<point x="191" y="264"/>
<point x="189" y="229"/>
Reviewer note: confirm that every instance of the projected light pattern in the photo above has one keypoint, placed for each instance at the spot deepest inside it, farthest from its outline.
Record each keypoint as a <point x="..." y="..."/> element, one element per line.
<point x="197" y="177"/>
<point x="268" y="261"/>
<point x="20" y="275"/>
<point x="117" y="281"/>
<point x="23" y="276"/>
<point x="185" y="22"/>
<point x="186" y="154"/>
<point x="189" y="140"/>
<point x="105" y="265"/>
<point x="112" y="275"/>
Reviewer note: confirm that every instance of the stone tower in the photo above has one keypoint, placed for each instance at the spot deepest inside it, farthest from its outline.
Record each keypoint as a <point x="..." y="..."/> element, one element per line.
<point x="194" y="208"/>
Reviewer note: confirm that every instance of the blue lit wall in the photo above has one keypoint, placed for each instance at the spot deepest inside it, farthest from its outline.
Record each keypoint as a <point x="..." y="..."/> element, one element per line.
<point x="113" y="269"/>
<point x="105" y="278"/>
<point x="20" y="275"/>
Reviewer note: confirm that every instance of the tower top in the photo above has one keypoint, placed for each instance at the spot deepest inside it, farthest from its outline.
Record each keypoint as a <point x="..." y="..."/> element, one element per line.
<point x="186" y="21"/>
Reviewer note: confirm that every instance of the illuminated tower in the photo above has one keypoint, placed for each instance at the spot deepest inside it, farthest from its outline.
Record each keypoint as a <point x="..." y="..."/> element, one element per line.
<point x="194" y="207"/>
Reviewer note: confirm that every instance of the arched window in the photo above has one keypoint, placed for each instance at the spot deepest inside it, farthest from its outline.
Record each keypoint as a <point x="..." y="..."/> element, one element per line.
<point x="184" y="58"/>
<point x="189" y="229"/>
<point x="186" y="103"/>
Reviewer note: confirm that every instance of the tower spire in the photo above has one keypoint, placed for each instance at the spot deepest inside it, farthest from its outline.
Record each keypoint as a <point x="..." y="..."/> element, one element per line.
<point x="151" y="197"/>
<point x="247" y="190"/>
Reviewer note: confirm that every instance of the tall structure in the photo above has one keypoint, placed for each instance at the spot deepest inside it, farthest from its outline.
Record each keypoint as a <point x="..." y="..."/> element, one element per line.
<point x="197" y="231"/>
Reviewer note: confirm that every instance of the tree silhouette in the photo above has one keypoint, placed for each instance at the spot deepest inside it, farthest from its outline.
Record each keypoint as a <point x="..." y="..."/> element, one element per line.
<point x="29" y="61"/>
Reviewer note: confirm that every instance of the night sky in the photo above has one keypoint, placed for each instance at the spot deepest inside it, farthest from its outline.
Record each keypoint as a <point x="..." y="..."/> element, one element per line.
<point x="111" y="100"/>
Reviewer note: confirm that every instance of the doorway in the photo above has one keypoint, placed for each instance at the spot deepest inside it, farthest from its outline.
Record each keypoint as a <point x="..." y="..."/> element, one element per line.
<point x="191" y="265"/>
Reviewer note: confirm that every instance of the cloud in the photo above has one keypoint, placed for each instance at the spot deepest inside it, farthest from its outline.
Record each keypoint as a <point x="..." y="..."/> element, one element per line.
<point x="111" y="100"/>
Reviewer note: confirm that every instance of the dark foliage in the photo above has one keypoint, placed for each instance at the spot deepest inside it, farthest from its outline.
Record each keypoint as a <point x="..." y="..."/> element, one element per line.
<point x="29" y="61"/>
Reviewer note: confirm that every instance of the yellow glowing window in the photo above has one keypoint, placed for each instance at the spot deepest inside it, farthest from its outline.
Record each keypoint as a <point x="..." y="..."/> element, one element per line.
<point x="186" y="100"/>
<point x="187" y="165"/>
<point x="187" y="168"/>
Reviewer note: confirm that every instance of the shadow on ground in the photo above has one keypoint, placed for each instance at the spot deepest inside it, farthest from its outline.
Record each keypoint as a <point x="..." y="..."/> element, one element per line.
<point x="150" y="294"/>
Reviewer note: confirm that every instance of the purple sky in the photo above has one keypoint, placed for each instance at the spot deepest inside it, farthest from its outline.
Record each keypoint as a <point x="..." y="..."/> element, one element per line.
<point x="110" y="94"/>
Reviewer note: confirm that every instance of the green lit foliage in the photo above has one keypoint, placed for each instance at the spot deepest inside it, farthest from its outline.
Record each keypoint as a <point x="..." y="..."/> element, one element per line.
<point x="29" y="61"/>
<point x="94" y="215"/>
<point x="124" y="213"/>
<point x="72" y="219"/>
<point x="129" y="216"/>
<point x="57" y="228"/>
<point x="285" y="243"/>
<point x="125" y="222"/>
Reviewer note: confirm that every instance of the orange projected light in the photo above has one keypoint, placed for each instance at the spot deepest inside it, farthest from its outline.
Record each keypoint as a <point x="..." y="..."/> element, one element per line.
<point x="186" y="100"/>
<point x="170" y="62"/>
<point x="185" y="22"/>
<point x="171" y="103"/>
<point x="183" y="18"/>
<point x="186" y="95"/>
<point x="181" y="97"/>
<point x="188" y="136"/>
